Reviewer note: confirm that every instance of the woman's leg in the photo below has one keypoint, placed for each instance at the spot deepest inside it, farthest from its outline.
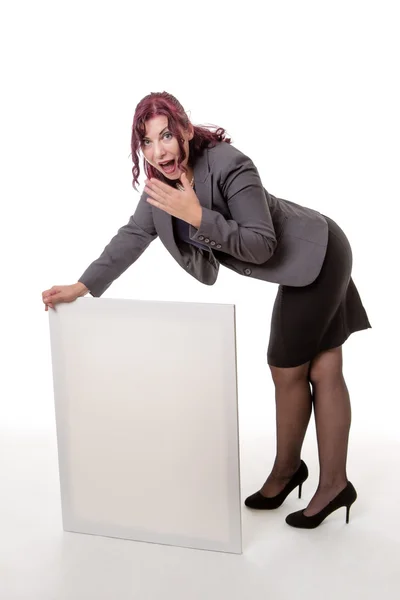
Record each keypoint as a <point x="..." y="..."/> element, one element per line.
<point x="293" y="411"/>
<point x="332" y="418"/>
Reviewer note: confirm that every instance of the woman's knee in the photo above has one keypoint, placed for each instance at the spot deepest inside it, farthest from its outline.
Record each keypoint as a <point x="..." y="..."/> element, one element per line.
<point x="326" y="366"/>
<point x="289" y="376"/>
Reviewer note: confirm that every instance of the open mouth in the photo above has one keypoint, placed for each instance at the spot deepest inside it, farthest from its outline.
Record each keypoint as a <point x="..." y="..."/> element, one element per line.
<point x="168" y="166"/>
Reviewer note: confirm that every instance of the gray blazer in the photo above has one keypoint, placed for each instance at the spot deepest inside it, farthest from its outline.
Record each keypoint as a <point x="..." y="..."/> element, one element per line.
<point x="245" y="228"/>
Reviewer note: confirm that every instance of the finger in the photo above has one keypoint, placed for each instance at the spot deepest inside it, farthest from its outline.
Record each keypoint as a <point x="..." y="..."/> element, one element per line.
<point x="160" y="187"/>
<point x="158" y="205"/>
<point x="185" y="182"/>
<point x="187" y="185"/>
<point x="49" y="293"/>
<point x="48" y="302"/>
<point x="155" y="195"/>
<point x="152" y="189"/>
<point x="56" y="297"/>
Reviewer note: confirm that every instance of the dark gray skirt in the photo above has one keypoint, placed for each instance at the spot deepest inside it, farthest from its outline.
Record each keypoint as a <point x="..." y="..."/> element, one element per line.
<point x="307" y="320"/>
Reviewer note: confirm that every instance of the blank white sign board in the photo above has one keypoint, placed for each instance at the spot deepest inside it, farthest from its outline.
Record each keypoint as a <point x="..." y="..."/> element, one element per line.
<point x="147" y="421"/>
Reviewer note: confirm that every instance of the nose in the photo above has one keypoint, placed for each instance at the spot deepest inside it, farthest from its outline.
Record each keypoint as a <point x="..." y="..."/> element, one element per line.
<point x="159" y="151"/>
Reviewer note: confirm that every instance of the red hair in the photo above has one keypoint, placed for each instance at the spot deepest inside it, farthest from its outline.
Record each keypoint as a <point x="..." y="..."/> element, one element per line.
<point x="162" y="103"/>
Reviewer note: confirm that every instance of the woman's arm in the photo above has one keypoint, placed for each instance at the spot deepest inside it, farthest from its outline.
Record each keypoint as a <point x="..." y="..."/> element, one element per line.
<point x="122" y="251"/>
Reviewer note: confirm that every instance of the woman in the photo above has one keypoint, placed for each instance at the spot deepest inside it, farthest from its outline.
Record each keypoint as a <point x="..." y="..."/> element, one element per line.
<point x="206" y="202"/>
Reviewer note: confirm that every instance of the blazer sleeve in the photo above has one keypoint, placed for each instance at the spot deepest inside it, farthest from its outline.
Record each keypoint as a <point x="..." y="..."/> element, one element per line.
<point x="249" y="236"/>
<point x="122" y="251"/>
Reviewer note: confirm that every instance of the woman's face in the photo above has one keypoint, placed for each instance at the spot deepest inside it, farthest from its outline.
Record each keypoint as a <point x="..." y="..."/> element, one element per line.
<point x="160" y="148"/>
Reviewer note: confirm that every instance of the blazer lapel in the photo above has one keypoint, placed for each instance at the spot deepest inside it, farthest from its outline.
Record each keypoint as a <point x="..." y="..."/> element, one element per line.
<point x="163" y="225"/>
<point x="203" y="189"/>
<point x="202" y="183"/>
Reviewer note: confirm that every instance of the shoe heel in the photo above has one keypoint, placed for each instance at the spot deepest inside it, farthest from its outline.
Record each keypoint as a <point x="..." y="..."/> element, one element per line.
<point x="300" y="486"/>
<point x="348" y="513"/>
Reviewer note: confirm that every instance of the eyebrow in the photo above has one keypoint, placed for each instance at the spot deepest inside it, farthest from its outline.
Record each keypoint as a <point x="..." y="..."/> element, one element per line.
<point x="161" y="132"/>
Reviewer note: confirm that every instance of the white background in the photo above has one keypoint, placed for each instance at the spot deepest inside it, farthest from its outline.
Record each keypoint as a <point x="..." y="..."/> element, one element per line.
<point x="309" y="90"/>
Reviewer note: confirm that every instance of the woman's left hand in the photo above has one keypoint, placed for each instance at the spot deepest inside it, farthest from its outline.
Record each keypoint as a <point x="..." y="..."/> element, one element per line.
<point x="181" y="204"/>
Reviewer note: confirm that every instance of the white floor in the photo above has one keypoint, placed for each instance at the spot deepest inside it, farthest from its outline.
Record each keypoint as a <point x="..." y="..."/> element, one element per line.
<point x="38" y="561"/>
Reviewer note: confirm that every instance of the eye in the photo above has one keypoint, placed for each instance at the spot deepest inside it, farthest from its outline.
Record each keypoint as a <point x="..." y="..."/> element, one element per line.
<point x="167" y="133"/>
<point x="145" y="142"/>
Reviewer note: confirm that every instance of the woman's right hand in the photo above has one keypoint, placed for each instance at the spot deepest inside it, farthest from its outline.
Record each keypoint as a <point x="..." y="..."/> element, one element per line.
<point x="63" y="293"/>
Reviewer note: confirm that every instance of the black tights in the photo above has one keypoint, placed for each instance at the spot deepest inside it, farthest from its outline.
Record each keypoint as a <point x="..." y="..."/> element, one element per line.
<point x="319" y="384"/>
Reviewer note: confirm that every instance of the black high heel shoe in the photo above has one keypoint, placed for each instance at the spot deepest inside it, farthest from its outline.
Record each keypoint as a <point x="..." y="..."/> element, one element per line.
<point x="260" y="502"/>
<point x="345" y="498"/>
